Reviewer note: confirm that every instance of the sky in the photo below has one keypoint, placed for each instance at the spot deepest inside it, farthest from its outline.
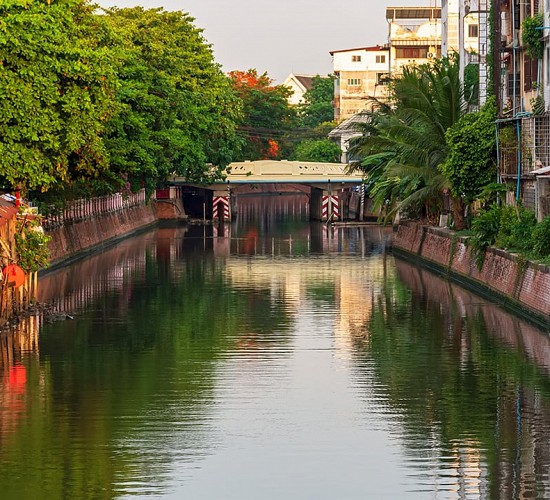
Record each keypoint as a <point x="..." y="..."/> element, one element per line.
<point x="283" y="36"/>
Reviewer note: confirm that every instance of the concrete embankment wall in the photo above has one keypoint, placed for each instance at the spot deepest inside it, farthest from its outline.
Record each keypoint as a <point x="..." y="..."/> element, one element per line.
<point x="75" y="239"/>
<point x="505" y="277"/>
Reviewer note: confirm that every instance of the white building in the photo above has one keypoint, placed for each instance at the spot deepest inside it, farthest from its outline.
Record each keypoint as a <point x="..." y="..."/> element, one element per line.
<point x="361" y="74"/>
<point x="465" y="31"/>
<point x="299" y="84"/>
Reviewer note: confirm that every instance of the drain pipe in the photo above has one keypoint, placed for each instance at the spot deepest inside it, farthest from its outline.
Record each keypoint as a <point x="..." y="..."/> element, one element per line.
<point x="518" y="184"/>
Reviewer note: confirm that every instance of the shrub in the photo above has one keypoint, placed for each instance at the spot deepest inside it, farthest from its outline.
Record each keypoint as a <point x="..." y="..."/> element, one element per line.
<point x="485" y="227"/>
<point x="516" y="228"/>
<point x="32" y="245"/>
<point x="541" y="238"/>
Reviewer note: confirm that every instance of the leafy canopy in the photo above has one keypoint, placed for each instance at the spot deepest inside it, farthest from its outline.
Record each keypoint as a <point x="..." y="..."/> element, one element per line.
<point x="470" y="164"/>
<point x="57" y="88"/>
<point x="178" y="111"/>
<point x="267" y="116"/>
<point x="318" y="107"/>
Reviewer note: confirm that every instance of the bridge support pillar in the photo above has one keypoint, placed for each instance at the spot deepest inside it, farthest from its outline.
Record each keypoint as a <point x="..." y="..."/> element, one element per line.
<point x="330" y="206"/>
<point x="221" y="206"/>
<point x="324" y="205"/>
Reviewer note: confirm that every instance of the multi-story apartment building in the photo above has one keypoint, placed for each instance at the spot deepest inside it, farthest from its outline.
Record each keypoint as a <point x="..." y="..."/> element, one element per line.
<point x="361" y="74"/>
<point x="522" y="79"/>
<point x="465" y="31"/>
<point x="414" y="35"/>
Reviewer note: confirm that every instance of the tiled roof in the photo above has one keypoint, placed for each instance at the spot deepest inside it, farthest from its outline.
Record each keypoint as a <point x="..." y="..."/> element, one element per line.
<point x="305" y="80"/>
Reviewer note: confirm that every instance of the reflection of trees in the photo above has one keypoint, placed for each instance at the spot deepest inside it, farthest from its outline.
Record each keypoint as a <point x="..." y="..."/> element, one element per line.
<point x="127" y="384"/>
<point x="440" y="356"/>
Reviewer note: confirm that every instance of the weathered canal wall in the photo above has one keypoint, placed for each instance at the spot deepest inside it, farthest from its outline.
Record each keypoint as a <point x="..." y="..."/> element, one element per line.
<point x="74" y="239"/>
<point x="508" y="278"/>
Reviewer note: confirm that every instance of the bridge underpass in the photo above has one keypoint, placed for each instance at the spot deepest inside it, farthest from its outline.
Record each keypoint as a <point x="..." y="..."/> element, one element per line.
<point x="332" y="192"/>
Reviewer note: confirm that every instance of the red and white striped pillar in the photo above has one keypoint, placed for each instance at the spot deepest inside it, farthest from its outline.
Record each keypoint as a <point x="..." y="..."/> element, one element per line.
<point x="330" y="208"/>
<point x="220" y="208"/>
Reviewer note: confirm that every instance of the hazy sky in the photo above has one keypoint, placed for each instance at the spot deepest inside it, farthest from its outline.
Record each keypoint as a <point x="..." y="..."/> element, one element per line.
<point x="283" y="36"/>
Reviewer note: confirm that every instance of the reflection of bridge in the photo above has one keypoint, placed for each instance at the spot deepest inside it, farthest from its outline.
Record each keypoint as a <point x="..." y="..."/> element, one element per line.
<point x="328" y="186"/>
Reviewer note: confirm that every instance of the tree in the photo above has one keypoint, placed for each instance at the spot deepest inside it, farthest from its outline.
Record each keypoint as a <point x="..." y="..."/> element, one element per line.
<point x="404" y="143"/>
<point x="318" y="104"/>
<point x="179" y="113"/>
<point x="321" y="150"/>
<point x="57" y="85"/>
<point x="470" y="164"/>
<point x="267" y="116"/>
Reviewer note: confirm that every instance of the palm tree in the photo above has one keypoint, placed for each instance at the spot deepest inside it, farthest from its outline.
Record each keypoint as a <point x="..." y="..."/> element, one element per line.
<point x="403" y="143"/>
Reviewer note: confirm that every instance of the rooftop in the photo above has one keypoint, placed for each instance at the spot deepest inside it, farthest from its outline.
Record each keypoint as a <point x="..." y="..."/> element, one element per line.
<point x="395" y="13"/>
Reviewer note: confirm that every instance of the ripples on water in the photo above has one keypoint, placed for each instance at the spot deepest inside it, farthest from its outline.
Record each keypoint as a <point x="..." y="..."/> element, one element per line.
<point x="255" y="364"/>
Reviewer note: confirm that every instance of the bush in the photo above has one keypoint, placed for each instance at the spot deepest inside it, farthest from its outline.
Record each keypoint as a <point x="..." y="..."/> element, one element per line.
<point x="541" y="238"/>
<point x="485" y="227"/>
<point x="516" y="228"/>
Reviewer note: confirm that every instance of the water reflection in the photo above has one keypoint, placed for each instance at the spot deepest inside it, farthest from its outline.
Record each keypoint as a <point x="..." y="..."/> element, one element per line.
<point x="299" y="361"/>
<point x="468" y="384"/>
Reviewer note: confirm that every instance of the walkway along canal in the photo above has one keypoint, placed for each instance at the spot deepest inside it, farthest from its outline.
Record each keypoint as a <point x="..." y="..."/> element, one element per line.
<point x="271" y="358"/>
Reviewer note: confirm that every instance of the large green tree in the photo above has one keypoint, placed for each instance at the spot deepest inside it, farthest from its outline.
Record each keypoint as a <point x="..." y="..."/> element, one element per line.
<point x="179" y="111"/>
<point x="318" y="105"/>
<point x="267" y="119"/>
<point x="57" y="86"/>
<point x="320" y="150"/>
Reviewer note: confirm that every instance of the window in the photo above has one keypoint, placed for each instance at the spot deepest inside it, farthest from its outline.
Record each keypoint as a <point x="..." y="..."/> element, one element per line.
<point x="382" y="78"/>
<point x="356" y="58"/>
<point x="473" y="30"/>
<point x="412" y="52"/>
<point x="511" y="85"/>
<point x="380" y="59"/>
<point x="354" y="82"/>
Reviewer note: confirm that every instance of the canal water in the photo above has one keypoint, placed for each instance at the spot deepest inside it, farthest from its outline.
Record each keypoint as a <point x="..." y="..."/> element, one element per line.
<point x="270" y="359"/>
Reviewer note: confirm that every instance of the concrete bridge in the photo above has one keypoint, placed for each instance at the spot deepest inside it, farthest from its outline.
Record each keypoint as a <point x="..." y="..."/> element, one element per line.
<point x="328" y="186"/>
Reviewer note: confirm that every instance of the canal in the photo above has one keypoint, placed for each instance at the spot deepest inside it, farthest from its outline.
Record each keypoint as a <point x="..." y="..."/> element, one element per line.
<point x="270" y="359"/>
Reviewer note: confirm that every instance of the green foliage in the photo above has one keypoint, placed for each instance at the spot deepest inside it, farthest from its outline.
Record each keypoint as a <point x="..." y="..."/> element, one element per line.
<point x="267" y="117"/>
<point x="541" y="238"/>
<point x="178" y="111"/>
<point x="470" y="164"/>
<point x="538" y="106"/>
<point x="32" y="245"/>
<point x="323" y="150"/>
<point x="471" y="83"/>
<point x="318" y="105"/>
<point x="403" y="144"/>
<point x="516" y="228"/>
<point x="507" y="227"/>
<point x="486" y="227"/>
<point x="493" y="192"/>
<point x="57" y="85"/>
<point x="532" y="36"/>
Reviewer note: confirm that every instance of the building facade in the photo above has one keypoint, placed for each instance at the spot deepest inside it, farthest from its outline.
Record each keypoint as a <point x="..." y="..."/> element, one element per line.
<point x="361" y="75"/>
<point x="414" y="35"/>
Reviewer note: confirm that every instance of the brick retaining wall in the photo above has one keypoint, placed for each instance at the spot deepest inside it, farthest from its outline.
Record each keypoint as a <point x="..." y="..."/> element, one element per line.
<point x="70" y="240"/>
<point x="521" y="283"/>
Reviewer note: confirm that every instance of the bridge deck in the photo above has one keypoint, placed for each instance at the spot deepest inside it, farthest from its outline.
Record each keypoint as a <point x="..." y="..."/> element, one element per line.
<point x="287" y="172"/>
